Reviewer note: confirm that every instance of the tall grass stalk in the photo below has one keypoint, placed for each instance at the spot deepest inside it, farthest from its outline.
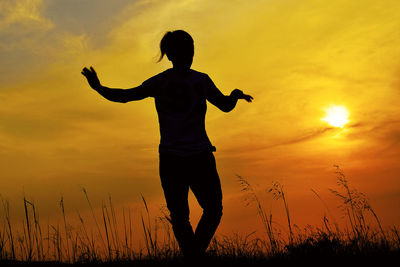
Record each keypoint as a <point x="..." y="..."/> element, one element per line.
<point x="87" y="243"/>
<point x="115" y="228"/>
<point x="325" y="218"/>
<point x="266" y="219"/>
<point x="6" y="208"/>
<point x="106" y="231"/>
<point x="355" y="204"/>
<point x="27" y="233"/>
<point x="67" y="235"/>
<point x="126" y="246"/>
<point x="94" y="217"/>
<point x="38" y="233"/>
<point x="277" y="190"/>
<point x="150" y="238"/>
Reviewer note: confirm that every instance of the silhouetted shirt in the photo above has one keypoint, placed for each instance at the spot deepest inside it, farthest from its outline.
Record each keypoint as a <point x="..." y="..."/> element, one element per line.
<point x="180" y="101"/>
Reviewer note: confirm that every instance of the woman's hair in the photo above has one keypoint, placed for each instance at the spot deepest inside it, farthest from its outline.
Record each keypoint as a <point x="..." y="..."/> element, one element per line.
<point x="176" y="42"/>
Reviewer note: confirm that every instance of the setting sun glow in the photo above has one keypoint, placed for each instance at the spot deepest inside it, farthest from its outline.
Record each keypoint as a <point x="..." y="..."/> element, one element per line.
<point x="336" y="116"/>
<point x="325" y="77"/>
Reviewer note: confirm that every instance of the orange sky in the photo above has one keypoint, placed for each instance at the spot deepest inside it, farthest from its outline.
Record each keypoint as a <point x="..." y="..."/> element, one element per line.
<point x="294" y="57"/>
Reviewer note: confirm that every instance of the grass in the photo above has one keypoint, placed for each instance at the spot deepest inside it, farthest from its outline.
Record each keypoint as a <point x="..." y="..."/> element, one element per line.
<point x="111" y="240"/>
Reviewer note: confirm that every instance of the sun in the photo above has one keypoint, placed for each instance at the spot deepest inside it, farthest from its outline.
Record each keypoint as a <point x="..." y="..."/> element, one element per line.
<point x="337" y="116"/>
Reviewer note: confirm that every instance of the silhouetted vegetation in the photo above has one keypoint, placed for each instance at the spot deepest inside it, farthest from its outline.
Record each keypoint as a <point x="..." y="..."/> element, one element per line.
<point x="363" y="241"/>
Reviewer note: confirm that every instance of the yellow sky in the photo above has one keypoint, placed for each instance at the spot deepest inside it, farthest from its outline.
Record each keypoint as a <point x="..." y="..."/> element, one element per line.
<point x="294" y="57"/>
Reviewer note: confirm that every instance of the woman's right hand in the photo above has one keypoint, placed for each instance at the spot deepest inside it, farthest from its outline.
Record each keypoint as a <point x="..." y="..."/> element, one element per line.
<point x="91" y="77"/>
<point x="240" y="95"/>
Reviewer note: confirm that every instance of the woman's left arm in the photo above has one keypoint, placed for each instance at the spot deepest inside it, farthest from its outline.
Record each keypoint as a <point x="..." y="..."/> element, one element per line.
<point x="113" y="94"/>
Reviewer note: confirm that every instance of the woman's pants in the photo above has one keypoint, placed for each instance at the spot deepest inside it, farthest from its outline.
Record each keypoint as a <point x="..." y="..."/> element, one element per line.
<point x="199" y="173"/>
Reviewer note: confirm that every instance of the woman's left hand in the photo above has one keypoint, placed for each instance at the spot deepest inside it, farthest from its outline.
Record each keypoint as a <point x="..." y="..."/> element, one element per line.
<point x="91" y="77"/>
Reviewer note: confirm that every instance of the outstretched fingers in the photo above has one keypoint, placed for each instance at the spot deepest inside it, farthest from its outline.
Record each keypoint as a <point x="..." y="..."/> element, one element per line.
<point x="92" y="69"/>
<point x="85" y="71"/>
<point x="248" y="98"/>
<point x="91" y="77"/>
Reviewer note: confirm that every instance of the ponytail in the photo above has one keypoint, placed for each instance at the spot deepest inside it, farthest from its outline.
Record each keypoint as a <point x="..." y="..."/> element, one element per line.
<point x="164" y="44"/>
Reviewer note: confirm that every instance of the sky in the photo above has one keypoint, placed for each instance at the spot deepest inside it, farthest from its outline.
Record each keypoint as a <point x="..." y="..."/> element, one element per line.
<point x="296" y="58"/>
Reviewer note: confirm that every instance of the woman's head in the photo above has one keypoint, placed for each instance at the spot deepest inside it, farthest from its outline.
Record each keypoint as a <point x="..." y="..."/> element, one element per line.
<point x="179" y="48"/>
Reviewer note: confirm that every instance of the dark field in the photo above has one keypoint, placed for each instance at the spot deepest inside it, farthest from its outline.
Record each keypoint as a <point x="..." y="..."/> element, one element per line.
<point x="362" y="243"/>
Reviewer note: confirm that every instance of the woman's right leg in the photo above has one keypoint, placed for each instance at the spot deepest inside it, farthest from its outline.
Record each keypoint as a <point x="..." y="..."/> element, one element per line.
<point x="176" y="190"/>
<point x="206" y="186"/>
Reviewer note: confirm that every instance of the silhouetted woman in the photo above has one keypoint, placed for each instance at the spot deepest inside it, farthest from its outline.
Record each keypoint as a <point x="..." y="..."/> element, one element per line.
<point x="186" y="158"/>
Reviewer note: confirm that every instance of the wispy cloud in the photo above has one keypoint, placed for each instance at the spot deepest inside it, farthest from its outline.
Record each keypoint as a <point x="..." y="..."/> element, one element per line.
<point x="21" y="11"/>
<point x="19" y="18"/>
<point x="257" y="145"/>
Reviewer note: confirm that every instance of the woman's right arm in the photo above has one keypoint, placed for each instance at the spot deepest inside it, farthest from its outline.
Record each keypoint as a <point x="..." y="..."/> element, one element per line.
<point x="113" y="94"/>
<point x="225" y="103"/>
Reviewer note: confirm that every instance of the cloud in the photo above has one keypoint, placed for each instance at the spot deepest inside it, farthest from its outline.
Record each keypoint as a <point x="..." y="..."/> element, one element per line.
<point x="14" y="12"/>
<point x="19" y="18"/>
<point x="384" y="134"/>
<point x="255" y="145"/>
<point x="23" y="30"/>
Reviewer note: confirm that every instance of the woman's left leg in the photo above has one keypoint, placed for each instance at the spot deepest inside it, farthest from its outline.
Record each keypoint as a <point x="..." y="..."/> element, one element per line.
<point x="175" y="185"/>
